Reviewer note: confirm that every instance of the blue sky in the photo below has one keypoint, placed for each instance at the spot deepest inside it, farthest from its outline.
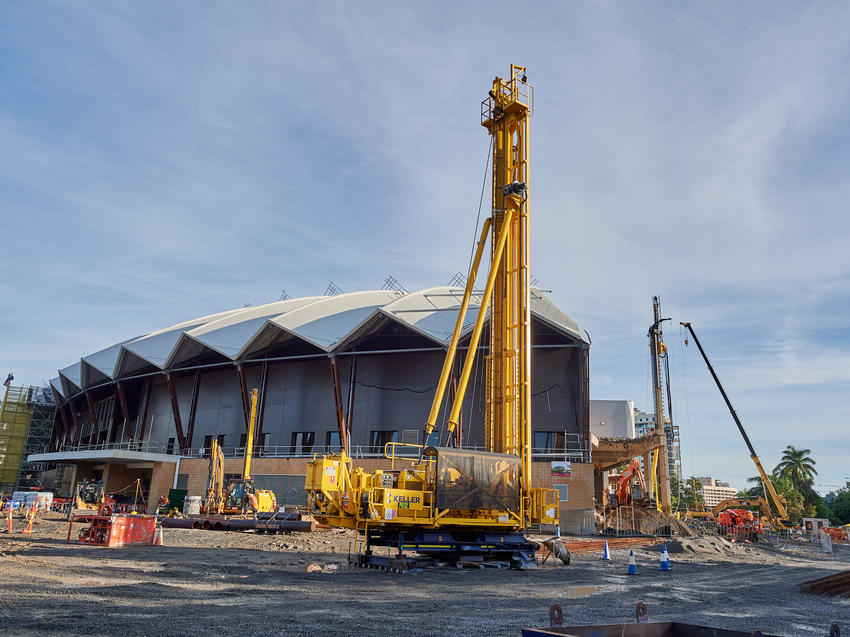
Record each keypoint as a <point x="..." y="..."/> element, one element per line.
<point x="167" y="161"/>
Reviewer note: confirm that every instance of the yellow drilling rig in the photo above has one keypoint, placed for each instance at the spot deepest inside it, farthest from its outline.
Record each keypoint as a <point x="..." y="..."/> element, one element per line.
<point x="445" y="501"/>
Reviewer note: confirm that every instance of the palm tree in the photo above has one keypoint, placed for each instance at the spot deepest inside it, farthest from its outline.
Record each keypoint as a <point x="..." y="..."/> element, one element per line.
<point x="799" y="467"/>
<point x="758" y="489"/>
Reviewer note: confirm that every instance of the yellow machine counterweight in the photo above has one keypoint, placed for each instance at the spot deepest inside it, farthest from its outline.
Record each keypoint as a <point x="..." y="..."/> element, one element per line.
<point x="442" y="493"/>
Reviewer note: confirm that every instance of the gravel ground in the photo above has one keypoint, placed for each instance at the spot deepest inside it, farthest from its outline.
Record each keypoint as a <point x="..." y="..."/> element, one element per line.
<point x="246" y="584"/>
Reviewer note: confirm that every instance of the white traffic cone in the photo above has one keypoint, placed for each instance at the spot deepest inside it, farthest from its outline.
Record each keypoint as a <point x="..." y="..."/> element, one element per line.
<point x="606" y="554"/>
<point x="632" y="565"/>
<point x="665" y="559"/>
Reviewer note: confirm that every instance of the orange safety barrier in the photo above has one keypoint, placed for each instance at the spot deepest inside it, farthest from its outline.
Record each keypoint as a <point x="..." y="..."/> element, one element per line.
<point x="31" y="515"/>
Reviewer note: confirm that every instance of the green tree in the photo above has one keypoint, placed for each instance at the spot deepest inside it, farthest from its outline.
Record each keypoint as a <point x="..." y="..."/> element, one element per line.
<point x="755" y="490"/>
<point x="796" y="506"/>
<point x="840" y="507"/>
<point x="799" y="467"/>
<point x="686" y="494"/>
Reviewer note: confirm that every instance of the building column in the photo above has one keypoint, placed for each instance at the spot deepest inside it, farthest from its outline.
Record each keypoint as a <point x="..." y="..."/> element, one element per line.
<point x="193" y="409"/>
<point x="340" y="415"/>
<point x="243" y="390"/>
<point x="125" y="410"/>
<point x="175" y="410"/>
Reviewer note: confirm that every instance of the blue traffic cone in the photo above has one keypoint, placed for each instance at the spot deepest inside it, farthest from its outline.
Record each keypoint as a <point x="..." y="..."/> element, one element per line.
<point x="606" y="554"/>
<point x="632" y="565"/>
<point x="665" y="559"/>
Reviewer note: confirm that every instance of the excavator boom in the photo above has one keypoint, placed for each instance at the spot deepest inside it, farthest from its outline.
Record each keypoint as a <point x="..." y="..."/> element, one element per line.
<point x="781" y="518"/>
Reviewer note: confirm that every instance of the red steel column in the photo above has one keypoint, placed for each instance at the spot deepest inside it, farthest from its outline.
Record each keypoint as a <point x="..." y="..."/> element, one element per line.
<point x="243" y="390"/>
<point x="196" y="388"/>
<point x="125" y="411"/>
<point x="175" y="410"/>
<point x="340" y="416"/>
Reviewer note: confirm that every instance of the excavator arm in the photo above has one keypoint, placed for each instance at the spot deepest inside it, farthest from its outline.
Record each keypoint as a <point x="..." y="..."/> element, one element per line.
<point x="779" y="502"/>
<point x="215" y="480"/>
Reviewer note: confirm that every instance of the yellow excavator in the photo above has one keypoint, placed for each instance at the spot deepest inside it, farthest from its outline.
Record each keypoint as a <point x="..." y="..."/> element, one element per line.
<point x="239" y="495"/>
<point x="451" y="503"/>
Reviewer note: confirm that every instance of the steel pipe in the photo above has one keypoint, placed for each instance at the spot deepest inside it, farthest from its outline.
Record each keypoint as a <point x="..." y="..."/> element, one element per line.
<point x="180" y="523"/>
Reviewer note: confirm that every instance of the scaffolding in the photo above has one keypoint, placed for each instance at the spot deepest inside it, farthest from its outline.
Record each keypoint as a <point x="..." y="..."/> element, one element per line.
<point x="15" y="415"/>
<point x="43" y="409"/>
<point x="26" y="425"/>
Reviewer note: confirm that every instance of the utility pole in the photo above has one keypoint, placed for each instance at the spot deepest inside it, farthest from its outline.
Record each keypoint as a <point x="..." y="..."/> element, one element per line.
<point x="657" y="349"/>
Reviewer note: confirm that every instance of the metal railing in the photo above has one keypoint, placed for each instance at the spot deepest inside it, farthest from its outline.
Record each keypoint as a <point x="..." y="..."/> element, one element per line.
<point x="575" y="450"/>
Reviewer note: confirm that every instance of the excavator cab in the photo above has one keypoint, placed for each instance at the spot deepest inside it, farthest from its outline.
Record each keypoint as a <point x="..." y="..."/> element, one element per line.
<point x="238" y="497"/>
<point x="90" y="494"/>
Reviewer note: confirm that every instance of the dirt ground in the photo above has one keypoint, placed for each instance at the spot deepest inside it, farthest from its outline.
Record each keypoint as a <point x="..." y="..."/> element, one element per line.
<point x="231" y="583"/>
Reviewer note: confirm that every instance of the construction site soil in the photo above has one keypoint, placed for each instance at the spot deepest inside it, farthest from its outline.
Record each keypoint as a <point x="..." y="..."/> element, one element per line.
<point x="231" y="583"/>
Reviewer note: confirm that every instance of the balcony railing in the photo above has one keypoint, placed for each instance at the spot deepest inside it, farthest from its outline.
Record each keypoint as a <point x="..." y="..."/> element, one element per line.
<point x="575" y="450"/>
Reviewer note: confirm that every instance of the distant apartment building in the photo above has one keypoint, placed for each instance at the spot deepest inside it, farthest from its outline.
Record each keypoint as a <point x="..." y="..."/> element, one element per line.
<point x="715" y="491"/>
<point x="645" y="424"/>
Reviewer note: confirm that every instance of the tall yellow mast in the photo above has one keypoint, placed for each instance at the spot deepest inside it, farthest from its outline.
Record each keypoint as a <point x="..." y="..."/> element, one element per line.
<point x="450" y="501"/>
<point x="505" y="114"/>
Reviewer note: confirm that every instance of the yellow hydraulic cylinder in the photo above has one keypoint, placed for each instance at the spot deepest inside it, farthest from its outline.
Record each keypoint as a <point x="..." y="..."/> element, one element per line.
<point x="450" y="355"/>
<point x="249" y="442"/>
<point x="479" y="322"/>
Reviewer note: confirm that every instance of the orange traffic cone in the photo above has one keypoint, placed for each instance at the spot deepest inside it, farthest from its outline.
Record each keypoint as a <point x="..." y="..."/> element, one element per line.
<point x="28" y="528"/>
<point x="157" y="537"/>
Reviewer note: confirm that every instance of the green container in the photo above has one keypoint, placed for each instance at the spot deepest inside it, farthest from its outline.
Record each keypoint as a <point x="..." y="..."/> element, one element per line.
<point x="175" y="499"/>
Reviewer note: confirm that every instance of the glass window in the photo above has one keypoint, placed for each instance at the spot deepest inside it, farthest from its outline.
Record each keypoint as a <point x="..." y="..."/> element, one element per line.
<point x="302" y="442"/>
<point x="169" y="448"/>
<point x="380" y="438"/>
<point x="332" y="441"/>
<point x="182" y="480"/>
<point x="549" y="441"/>
<point x="563" y="492"/>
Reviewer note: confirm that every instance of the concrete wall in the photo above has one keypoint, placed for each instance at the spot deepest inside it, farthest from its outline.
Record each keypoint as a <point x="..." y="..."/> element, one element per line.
<point x="612" y="418"/>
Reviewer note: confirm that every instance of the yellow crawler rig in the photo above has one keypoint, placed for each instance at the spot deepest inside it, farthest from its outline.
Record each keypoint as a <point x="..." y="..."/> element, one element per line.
<point x="443" y="500"/>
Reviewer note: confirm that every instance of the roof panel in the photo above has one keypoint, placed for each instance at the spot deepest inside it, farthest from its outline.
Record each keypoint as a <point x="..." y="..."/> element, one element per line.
<point x="543" y="308"/>
<point x="329" y="320"/>
<point x="433" y="312"/>
<point x="56" y="384"/>
<point x="324" y="322"/>
<point x="72" y="374"/>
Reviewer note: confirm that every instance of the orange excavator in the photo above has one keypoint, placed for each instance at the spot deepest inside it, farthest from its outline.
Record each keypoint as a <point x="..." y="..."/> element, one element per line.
<point x="740" y="524"/>
<point x="632" y="472"/>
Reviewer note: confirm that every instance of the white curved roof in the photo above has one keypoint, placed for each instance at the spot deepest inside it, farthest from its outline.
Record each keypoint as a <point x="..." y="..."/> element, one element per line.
<point x="326" y="323"/>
